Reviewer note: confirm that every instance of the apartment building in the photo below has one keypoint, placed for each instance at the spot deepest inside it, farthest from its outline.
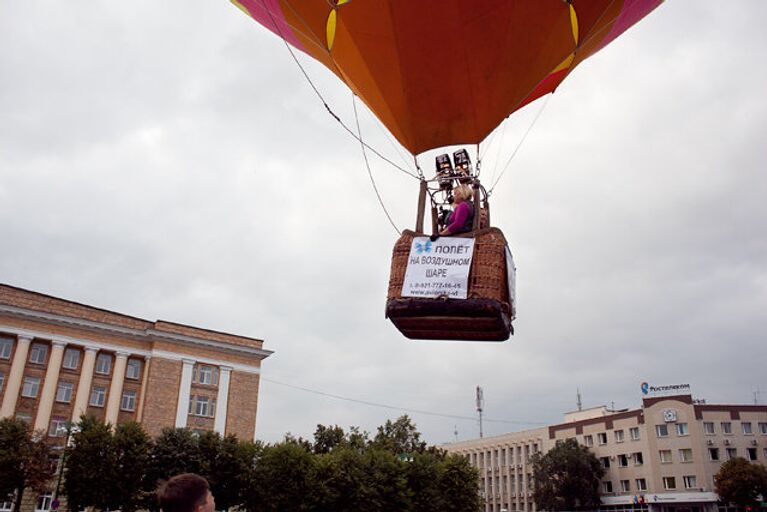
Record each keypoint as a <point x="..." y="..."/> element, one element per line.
<point x="60" y="360"/>
<point x="661" y="457"/>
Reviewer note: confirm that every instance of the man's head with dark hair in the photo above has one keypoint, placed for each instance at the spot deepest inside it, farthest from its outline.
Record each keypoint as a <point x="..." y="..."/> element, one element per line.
<point x="185" y="493"/>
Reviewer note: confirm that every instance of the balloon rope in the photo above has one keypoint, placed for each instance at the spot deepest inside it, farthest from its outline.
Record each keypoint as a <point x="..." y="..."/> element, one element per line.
<point x="527" y="132"/>
<point x="370" y="172"/>
<point x="322" y="99"/>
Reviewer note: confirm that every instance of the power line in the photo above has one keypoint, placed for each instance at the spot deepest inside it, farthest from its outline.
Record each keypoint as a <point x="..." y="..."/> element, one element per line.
<point x="398" y="408"/>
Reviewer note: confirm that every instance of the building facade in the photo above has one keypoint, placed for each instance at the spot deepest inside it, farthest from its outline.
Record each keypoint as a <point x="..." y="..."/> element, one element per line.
<point x="661" y="457"/>
<point x="60" y="360"/>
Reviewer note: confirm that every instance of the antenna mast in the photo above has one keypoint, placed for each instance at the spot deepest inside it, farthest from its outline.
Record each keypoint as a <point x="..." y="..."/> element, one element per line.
<point x="480" y="403"/>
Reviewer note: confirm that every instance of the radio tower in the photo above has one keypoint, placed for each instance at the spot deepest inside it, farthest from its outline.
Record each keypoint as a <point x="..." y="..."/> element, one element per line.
<point x="480" y="403"/>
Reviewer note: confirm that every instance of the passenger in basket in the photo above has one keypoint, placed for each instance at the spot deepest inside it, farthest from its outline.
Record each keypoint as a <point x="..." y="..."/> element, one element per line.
<point x="461" y="220"/>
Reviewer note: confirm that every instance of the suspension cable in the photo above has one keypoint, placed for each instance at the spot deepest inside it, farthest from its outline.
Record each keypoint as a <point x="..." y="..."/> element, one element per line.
<point x="370" y="172"/>
<point x="519" y="145"/>
<point x="322" y="99"/>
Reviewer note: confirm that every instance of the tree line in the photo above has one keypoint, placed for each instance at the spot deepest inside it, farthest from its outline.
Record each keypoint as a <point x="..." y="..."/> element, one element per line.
<point x="118" y="468"/>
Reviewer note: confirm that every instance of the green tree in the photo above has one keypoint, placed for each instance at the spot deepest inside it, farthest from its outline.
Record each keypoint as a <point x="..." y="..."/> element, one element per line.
<point x="175" y="451"/>
<point x="286" y="477"/>
<point x="24" y="460"/>
<point x="90" y="466"/>
<point x="741" y="483"/>
<point x="424" y="474"/>
<point x="566" y="478"/>
<point x="251" y="497"/>
<point x="132" y="447"/>
<point x="328" y="438"/>
<point x="224" y="463"/>
<point x="399" y="437"/>
<point x="459" y="484"/>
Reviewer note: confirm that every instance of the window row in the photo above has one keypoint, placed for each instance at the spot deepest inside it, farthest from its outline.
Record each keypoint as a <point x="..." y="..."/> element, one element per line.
<point x="623" y="459"/>
<point x="619" y="435"/>
<point x="682" y="429"/>
<point x="685" y="455"/>
<point x="709" y="427"/>
<point x="689" y="482"/>
<point x="499" y="457"/>
<point x="205" y="374"/>
<point x="203" y="406"/>
<point x="65" y="390"/>
<point x="625" y="485"/>
<point x="751" y="454"/>
<point x="38" y="354"/>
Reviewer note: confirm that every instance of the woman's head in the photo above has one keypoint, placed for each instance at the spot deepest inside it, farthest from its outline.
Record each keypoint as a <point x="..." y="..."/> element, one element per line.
<point x="463" y="192"/>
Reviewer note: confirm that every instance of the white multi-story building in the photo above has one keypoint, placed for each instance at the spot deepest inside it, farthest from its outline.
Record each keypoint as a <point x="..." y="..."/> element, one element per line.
<point x="661" y="457"/>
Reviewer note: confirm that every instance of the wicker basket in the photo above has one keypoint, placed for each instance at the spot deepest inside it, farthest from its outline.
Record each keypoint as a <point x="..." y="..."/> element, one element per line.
<point x="485" y="314"/>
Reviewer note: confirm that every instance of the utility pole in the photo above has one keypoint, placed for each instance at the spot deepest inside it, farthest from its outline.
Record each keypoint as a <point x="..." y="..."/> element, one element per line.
<point x="480" y="403"/>
<point x="455" y="432"/>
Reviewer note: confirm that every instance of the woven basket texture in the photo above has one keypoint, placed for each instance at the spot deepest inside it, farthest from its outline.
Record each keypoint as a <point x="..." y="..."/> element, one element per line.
<point x="487" y="276"/>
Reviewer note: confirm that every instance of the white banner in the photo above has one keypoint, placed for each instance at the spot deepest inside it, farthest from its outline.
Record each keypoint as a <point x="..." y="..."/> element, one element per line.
<point x="439" y="268"/>
<point x="511" y="276"/>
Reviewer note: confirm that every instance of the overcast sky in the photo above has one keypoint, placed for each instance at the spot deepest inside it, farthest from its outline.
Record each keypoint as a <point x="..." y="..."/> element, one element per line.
<point x="168" y="160"/>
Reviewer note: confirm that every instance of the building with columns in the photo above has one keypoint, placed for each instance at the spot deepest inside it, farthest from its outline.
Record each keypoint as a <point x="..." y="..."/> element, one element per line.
<point x="661" y="457"/>
<point x="60" y="360"/>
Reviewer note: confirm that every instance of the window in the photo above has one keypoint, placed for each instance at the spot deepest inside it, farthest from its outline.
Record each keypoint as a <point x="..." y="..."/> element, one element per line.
<point x="708" y="428"/>
<point x="607" y="486"/>
<point x="625" y="485"/>
<point x="765" y="453"/>
<point x="685" y="455"/>
<point x="71" y="359"/>
<point x="133" y="370"/>
<point x="5" y="506"/>
<point x="104" y="364"/>
<point x="44" y="502"/>
<point x="762" y="427"/>
<point x="128" y="402"/>
<point x="206" y="374"/>
<point x="588" y="440"/>
<point x="58" y="427"/>
<point x="98" y="396"/>
<point x="2" y="380"/>
<point x="665" y="456"/>
<point x="602" y="438"/>
<point x="661" y="430"/>
<point x="25" y="417"/>
<point x="31" y="387"/>
<point x="64" y="392"/>
<point x="638" y="459"/>
<point x="37" y="353"/>
<point x="6" y="347"/>
<point x="605" y="462"/>
<point x="690" y="482"/>
<point x="669" y="483"/>
<point x="726" y="427"/>
<point x="619" y="436"/>
<point x="751" y="453"/>
<point x="682" y="429"/>
<point x="634" y="432"/>
<point x="713" y="454"/>
<point x="623" y="461"/>
<point x="732" y="453"/>
<point x="747" y="429"/>
<point x="641" y="484"/>
<point x="202" y="406"/>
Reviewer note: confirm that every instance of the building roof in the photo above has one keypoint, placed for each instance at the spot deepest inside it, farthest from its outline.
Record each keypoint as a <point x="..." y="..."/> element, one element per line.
<point x="20" y="302"/>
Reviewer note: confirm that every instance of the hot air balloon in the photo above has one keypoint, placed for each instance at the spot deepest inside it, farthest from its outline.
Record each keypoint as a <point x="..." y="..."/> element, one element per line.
<point x="447" y="72"/>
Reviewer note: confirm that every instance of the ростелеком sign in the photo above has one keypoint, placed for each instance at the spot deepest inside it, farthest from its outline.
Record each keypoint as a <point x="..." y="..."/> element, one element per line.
<point x="439" y="268"/>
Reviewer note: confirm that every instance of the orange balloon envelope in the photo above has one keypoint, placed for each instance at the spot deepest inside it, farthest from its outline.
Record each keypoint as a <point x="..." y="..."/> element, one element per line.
<point x="444" y="72"/>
